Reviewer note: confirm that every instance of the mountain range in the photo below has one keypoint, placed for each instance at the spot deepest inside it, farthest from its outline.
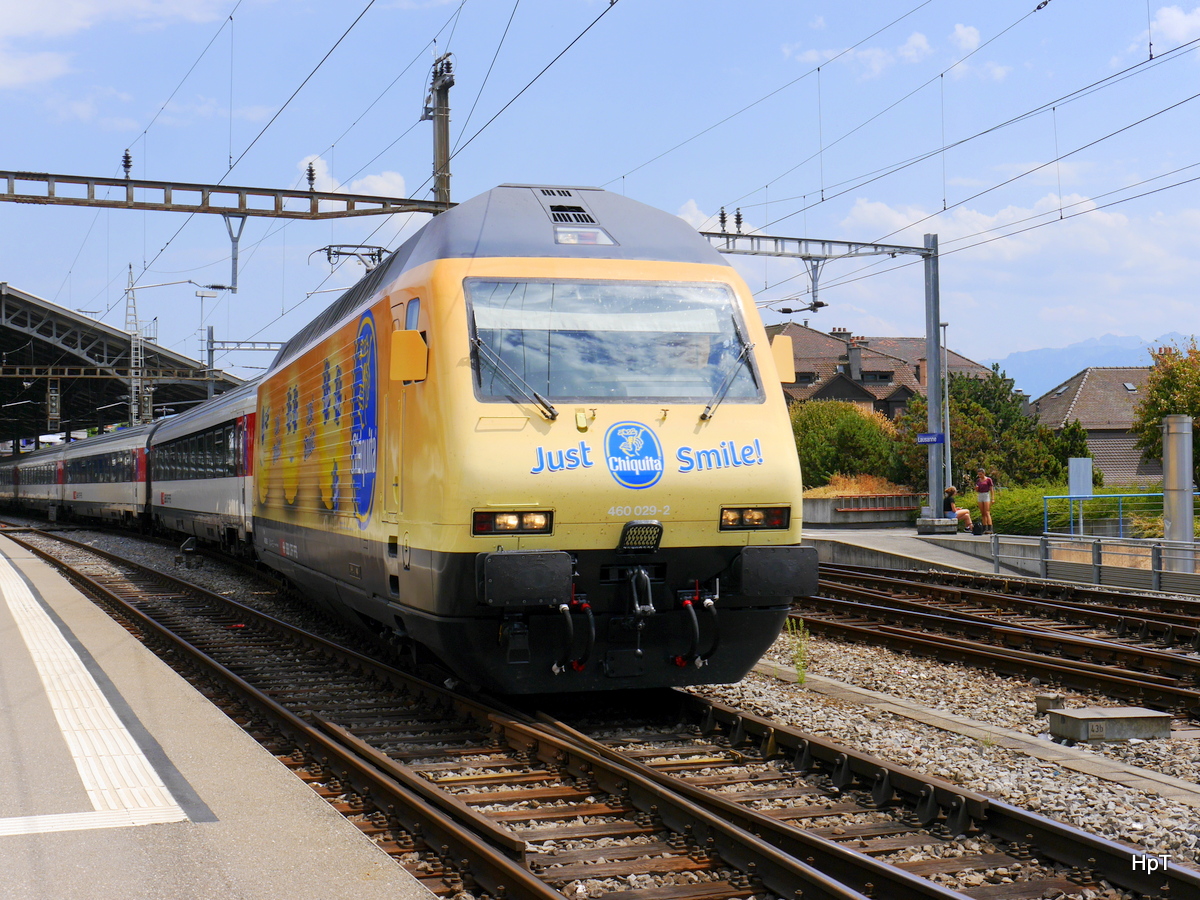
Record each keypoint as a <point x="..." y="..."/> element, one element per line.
<point x="1037" y="371"/>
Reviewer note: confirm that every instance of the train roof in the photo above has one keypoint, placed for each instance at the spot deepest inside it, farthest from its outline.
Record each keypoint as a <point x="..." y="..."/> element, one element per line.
<point x="520" y="220"/>
<point x="221" y="408"/>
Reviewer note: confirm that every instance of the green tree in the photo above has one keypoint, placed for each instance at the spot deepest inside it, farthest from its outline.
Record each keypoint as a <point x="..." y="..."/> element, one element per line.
<point x="1173" y="388"/>
<point x="833" y="437"/>
<point x="989" y="430"/>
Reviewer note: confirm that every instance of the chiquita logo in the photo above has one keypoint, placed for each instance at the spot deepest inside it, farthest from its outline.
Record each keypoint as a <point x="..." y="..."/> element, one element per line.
<point x="364" y="421"/>
<point x="633" y="455"/>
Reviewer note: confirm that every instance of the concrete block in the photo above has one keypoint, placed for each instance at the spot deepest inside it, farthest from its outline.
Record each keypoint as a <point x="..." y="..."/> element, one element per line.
<point x="937" y="526"/>
<point x="1047" y="702"/>
<point x="1118" y="723"/>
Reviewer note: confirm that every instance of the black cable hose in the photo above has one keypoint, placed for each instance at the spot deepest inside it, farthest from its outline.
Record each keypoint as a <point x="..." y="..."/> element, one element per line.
<point x="690" y="656"/>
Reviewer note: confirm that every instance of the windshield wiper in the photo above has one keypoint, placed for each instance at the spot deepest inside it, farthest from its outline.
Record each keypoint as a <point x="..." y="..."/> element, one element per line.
<point x="514" y="379"/>
<point x="727" y="381"/>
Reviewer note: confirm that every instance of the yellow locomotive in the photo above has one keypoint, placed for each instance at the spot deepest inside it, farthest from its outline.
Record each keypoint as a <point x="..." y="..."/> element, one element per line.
<point x="546" y="440"/>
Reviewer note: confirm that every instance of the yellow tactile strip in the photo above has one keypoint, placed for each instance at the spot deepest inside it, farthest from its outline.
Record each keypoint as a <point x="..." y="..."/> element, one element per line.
<point x="119" y="780"/>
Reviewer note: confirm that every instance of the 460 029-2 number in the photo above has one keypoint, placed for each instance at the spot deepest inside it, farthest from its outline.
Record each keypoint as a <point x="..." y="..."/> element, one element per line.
<point x="639" y="510"/>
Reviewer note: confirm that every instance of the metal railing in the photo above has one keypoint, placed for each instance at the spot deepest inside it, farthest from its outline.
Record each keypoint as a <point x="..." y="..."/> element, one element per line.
<point x="1109" y="515"/>
<point x="1133" y="563"/>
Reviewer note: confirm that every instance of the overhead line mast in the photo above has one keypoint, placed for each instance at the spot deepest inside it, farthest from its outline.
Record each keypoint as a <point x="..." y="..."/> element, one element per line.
<point x="437" y="110"/>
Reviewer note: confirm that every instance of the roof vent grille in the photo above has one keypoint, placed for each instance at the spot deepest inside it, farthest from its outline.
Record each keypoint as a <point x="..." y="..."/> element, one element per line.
<point x="571" y="214"/>
<point x="555" y="192"/>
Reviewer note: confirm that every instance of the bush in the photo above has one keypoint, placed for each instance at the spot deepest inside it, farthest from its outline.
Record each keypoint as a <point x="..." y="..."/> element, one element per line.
<point x="834" y="437"/>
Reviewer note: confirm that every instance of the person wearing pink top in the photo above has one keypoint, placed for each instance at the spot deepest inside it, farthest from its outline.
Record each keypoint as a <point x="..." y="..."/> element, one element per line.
<point x="984" y="488"/>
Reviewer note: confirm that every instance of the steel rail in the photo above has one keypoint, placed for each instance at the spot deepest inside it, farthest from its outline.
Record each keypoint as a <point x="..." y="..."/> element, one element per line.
<point x="406" y="795"/>
<point x="1147" y="663"/>
<point x="492" y="868"/>
<point x="844" y="863"/>
<point x="1081" y="676"/>
<point x="1065" y="843"/>
<point x="1042" y="587"/>
<point x="935" y="800"/>
<point x="1151" y="624"/>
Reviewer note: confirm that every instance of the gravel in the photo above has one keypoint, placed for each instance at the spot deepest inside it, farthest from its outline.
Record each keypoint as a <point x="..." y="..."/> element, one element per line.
<point x="1152" y="822"/>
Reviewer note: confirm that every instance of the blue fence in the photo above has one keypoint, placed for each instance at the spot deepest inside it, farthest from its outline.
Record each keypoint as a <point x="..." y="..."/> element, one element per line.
<point x="1111" y="515"/>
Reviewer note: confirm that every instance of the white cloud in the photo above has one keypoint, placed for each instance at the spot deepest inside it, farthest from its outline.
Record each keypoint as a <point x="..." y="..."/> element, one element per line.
<point x="22" y="24"/>
<point x="1174" y="26"/>
<point x="1105" y="270"/>
<point x="87" y="107"/>
<point x="873" y="61"/>
<point x="385" y="184"/>
<point x="965" y="37"/>
<point x="417" y="4"/>
<point x="19" y="69"/>
<point x="810" y="57"/>
<point x="995" y="71"/>
<point x="817" y="23"/>
<point x="691" y="213"/>
<point x="915" y="49"/>
<point x="323" y="180"/>
<point x="58" y="18"/>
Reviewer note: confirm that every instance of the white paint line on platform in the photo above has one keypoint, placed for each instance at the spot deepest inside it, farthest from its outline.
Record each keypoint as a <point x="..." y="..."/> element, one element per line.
<point x="119" y="780"/>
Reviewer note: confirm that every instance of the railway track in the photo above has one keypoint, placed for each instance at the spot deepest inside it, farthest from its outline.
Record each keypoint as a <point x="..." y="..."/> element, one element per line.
<point x="1151" y="658"/>
<point x="694" y="800"/>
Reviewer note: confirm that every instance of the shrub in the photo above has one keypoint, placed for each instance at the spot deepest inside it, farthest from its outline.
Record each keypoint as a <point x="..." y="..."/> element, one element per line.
<point x="833" y="437"/>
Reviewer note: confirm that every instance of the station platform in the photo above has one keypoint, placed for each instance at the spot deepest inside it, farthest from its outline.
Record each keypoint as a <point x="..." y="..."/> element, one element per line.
<point x="120" y="780"/>
<point x="896" y="548"/>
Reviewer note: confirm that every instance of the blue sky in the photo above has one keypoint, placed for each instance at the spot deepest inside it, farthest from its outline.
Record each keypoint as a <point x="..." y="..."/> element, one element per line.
<point x="1023" y="137"/>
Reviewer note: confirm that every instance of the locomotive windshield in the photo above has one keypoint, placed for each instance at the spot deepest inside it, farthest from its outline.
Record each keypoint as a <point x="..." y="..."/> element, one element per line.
<point x="603" y="340"/>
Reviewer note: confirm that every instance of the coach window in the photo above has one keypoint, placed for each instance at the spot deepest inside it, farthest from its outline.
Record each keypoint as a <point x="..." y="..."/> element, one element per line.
<point x="210" y="454"/>
<point x="193" y="452"/>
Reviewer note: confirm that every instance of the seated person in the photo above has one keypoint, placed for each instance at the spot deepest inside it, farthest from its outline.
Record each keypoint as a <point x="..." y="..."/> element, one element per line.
<point x="950" y="511"/>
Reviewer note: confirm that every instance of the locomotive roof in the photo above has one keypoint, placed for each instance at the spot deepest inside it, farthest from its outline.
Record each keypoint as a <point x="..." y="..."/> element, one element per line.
<point x="515" y="220"/>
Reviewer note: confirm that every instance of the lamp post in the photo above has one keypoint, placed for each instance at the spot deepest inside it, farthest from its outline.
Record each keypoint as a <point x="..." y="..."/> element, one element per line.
<point x="949" y="477"/>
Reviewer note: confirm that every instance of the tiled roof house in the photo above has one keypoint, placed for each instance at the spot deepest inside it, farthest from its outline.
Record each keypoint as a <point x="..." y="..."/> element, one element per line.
<point x="1102" y="399"/>
<point x="882" y="373"/>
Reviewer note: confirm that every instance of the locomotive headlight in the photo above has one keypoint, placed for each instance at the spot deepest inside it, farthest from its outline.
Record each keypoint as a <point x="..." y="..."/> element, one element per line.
<point x="741" y="518"/>
<point x="532" y="522"/>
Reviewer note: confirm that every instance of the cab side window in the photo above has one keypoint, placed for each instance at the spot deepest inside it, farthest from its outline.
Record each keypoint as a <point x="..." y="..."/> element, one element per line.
<point x="412" y="317"/>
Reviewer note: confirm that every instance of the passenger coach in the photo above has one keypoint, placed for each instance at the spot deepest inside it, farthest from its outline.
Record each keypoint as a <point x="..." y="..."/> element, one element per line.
<point x="104" y="477"/>
<point x="201" y="469"/>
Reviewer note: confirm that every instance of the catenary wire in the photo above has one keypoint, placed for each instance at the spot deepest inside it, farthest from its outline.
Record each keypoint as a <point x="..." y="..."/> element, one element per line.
<point x="766" y="97"/>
